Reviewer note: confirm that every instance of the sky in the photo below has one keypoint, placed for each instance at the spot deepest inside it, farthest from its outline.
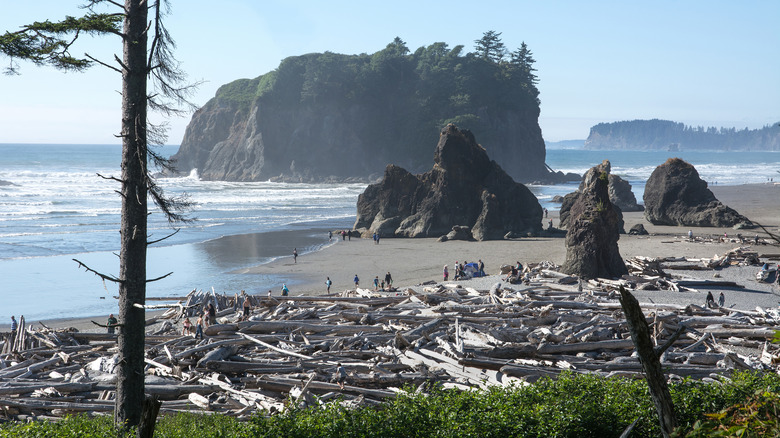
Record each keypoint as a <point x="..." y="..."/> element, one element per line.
<point x="702" y="63"/>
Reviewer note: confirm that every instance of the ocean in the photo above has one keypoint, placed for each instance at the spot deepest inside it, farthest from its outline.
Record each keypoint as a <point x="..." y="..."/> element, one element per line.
<point x="57" y="208"/>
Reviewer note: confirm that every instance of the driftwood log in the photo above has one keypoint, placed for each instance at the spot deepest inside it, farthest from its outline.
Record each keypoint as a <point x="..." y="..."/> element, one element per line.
<point x="292" y="350"/>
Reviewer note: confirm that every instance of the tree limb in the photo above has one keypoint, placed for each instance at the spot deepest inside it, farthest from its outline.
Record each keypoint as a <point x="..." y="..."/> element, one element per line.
<point x="660" y="349"/>
<point x="158" y="278"/>
<point x="102" y="63"/>
<point x="152" y="242"/>
<point x="101" y="275"/>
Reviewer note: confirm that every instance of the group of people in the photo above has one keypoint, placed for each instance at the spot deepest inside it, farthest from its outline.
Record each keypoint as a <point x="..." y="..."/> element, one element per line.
<point x="711" y="300"/>
<point x="517" y="274"/>
<point x="461" y="273"/>
<point x="205" y="319"/>
<point x="383" y="285"/>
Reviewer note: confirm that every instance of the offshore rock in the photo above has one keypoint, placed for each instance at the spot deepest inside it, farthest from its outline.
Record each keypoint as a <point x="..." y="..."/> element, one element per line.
<point x="676" y="195"/>
<point x="620" y="195"/>
<point x="593" y="231"/>
<point x="464" y="188"/>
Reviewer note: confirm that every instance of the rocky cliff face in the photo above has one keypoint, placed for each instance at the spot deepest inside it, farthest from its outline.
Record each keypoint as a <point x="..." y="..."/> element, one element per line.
<point x="464" y="187"/>
<point x="335" y="143"/>
<point x="676" y="195"/>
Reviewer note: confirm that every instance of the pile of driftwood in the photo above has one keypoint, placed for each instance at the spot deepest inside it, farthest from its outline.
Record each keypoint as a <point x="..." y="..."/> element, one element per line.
<point x="361" y="347"/>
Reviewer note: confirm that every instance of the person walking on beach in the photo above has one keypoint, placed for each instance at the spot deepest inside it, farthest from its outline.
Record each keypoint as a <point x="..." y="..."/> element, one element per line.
<point x="357" y="281"/>
<point x="285" y="290"/>
<point x="446" y="273"/>
<point x="721" y="299"/>
<point x="481" y="266"/>
<point x="328" y="283"/>
<point x="111" y="324"/>
<point x="389" y="280"/>
<point x="330" y="236"/>
<point x="376" y="283"/>
<point x="295" y="255"/>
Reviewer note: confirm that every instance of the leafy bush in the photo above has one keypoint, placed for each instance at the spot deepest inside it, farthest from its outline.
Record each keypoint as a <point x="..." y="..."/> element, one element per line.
<point x="572" y="405"/>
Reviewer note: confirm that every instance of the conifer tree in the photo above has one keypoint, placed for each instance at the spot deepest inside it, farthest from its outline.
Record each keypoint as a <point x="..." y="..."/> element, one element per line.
<point x="146" y="55"/>
<point x="490" y="47"/>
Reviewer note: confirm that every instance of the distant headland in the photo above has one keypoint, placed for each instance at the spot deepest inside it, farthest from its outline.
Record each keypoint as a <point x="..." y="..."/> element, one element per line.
<point x="658" y="134"/>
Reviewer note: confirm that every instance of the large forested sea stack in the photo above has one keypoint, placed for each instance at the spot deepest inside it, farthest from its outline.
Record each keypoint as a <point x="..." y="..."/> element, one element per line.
<point x="676" y="195"/>
<point x="332" y="117"/>
<point x="464" y="187"/>
<point x="593" y="230"/>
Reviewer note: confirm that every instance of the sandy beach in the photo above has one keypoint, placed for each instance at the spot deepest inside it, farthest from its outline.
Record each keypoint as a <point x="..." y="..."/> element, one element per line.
<point x="415" y="261"/>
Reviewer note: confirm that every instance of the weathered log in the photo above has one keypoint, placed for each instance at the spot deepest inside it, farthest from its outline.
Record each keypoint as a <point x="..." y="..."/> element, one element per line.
<point x="218" y="353"/>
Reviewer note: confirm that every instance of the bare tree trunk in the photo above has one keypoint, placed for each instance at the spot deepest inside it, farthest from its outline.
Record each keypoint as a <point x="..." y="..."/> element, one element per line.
<point x="656" y="380"/>
<point x="132" y="256"/>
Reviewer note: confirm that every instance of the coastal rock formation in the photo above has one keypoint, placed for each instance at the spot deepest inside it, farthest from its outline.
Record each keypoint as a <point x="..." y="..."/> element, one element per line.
<point x="593" y="230"/>
<point x="325" y="117"/>
<point x="464" y="187"/>
<point x="676" y="195"/>
<point x="620" y="195"/>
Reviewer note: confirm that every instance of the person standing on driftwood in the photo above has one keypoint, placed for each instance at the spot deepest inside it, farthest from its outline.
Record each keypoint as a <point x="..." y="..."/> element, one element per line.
<point x="14" y="326"/>
<point x="199" y="328"/>
<point x="247" y="308"/>
<point x="212" y="313"/>
<point x="187" y="327"/>
<point x="111" y="324"/>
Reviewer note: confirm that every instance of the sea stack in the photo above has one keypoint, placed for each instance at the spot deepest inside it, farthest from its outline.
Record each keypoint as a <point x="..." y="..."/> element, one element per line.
<point x="676" y="195"/>
<point x="593" y="230"/>
<point x="620" y="195"/>
<point x="464" y="188"/>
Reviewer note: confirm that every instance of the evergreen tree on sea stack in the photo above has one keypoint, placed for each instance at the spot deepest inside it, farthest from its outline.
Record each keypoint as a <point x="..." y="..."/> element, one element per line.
<point x="147" y="55"/>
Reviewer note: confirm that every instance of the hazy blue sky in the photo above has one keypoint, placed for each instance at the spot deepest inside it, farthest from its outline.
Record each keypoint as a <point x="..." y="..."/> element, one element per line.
<point x="709" y="63"/>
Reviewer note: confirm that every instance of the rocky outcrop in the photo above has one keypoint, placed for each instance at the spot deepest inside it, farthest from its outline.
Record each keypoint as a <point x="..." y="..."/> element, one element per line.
<point x="464" y="187"/>
<point x="593" y="231"/>
<point x="620" y="195"/>
<point x="676" y="195"/>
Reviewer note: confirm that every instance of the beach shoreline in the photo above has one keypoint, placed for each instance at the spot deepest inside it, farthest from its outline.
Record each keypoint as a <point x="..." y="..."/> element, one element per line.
<point x="415" y="261"/>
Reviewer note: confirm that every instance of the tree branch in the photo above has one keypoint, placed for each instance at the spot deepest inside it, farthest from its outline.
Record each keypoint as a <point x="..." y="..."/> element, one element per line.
<point x="660" y="349"/>
<point x="101" y="275"/>
<point x="158" y="278"/>
<point x="103" y="63"/>
<point x="113" y="178"/>
<point x="152" y="242"/>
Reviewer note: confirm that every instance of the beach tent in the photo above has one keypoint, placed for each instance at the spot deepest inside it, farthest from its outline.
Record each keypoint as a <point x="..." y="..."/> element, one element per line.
<point x="472" y="270"/>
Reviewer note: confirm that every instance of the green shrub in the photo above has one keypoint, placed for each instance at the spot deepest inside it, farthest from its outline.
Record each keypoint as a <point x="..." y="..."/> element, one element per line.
<point x="572" y="405"/>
